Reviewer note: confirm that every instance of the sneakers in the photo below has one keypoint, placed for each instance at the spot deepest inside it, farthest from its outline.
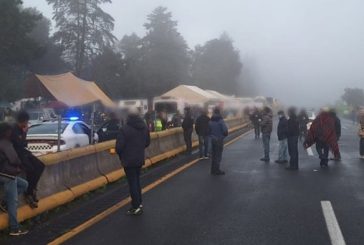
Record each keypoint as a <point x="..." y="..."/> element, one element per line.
<point x="18" y="232"/>
<point x="29" y="199"/>
<point x="218" y="173"/>
<point x="265" y="159"/>
<point x="135" y="211"/>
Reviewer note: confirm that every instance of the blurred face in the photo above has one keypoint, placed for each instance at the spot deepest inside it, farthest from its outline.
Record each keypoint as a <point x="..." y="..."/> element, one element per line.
<point x="24" y="125"/>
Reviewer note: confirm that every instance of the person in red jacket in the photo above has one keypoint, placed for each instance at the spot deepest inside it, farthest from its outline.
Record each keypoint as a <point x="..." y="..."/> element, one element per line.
<point x="322" y="133"/>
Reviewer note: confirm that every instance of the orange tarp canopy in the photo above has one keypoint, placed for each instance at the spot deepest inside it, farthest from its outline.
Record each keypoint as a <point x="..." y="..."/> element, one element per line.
<point x="72" y="90"/>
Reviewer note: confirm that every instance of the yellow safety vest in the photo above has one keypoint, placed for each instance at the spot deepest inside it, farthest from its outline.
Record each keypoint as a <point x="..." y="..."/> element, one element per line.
<point x="158" y="125"/>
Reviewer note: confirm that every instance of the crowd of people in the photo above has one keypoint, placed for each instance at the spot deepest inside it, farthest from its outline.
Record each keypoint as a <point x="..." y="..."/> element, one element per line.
<point x="324" y="132"/>
<point x="20" y="171"/>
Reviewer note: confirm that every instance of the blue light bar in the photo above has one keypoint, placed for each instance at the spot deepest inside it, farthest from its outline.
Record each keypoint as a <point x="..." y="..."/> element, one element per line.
<point x="74" y="118"/>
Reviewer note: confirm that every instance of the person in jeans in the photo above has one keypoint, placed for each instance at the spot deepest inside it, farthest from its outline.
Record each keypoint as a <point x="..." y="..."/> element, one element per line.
<point x="131" y="142"/>
<point x="293" y="132"/>
<point x="32" y="165"/>
<point x="218" y="131"/>
<point x="267" y="128"/>
<point x="10" y="168"/>
<point x="187" y="126"/>
<point x="202" y="130"/>
<point x="282" y="138"/>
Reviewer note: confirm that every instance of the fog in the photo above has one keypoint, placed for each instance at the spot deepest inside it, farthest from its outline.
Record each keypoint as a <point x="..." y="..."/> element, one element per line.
<point x="304" y="52"/>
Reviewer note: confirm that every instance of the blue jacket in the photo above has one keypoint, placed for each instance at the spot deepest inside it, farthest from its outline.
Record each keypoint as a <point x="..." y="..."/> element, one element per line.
<point x="217" y="127"/>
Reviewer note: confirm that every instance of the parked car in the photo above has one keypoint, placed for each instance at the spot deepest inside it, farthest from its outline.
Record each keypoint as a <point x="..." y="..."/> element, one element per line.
<point x="43" y="138"/>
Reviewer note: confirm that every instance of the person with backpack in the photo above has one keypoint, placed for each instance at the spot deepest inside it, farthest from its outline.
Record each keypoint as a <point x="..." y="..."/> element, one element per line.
<point x="130" y="145"/>
<point x="202" y="130"/>
<point x="322" y="133"/>
<point x="218" y="131"/>
<point x="10" y="168"/>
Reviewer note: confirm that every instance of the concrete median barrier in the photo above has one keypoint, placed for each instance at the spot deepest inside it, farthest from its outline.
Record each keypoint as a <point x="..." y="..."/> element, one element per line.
<point x="72" y="173"/>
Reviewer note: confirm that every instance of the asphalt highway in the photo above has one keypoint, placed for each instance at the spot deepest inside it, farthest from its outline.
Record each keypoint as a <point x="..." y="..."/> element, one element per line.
<point x="254" y="203"/>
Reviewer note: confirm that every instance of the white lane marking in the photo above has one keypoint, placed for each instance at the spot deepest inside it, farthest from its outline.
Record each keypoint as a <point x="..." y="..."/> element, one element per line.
<point x="332" y="225"/>
<point x="309" y="151"/>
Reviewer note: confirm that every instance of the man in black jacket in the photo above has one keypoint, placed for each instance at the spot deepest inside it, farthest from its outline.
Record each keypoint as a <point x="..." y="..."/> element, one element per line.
<point x="32" y="165"/>
<point x="130" y="145"/>
<point x="282" y="138"/>
<point x="293" y="132"/>
<point x="187" y="126"/>
<point x="202" y="130"/>
<point x="337" y="157"/>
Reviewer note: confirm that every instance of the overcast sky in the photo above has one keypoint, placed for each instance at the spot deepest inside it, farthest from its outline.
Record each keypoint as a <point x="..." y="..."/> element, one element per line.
<point x="301" y="51"/>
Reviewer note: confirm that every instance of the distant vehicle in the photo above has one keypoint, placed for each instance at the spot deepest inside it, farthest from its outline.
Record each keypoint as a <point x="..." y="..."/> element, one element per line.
<point x="43" y="138"/>
<point x="311" y="116"/>
<point x="38" y="116"/>
<point x="140" y="104"/>
<point x="169" y="105"/>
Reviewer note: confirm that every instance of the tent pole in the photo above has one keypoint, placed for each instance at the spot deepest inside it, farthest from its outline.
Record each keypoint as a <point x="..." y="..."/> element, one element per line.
<point x="93" y="123"/>
<point x="59" y="133"/>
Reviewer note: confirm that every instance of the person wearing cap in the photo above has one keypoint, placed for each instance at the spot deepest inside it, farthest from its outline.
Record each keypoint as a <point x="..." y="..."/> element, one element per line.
<point x="282" y="129"/>
<point x="130" y="145"/>
<point x="218" y="131"/>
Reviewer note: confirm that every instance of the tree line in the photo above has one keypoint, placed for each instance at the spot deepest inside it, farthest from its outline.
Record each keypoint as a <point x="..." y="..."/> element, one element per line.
<point x="83" y="42"/>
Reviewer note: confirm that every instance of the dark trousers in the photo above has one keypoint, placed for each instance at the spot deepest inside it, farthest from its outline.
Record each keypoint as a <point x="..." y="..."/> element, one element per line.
<point x="203" y="145"/>
<point x="217" y="147"/>
<point x="187" y="134"/>
<point x="257" y="131"/>
<point x="293" y="151"/>
<point x="361" y="146"/>
<point x="266" y="145"/>
<point x="133" y="177"/>
<point x="323" y="151"/>
<point x="33" y="170"/>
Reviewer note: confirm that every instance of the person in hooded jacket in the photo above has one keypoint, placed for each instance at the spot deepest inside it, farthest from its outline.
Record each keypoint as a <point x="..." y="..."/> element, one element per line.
<point x="293" y="132"/>
<point x="218" y="131"/>
<point x="131" y="142"/>
<point x="282" y="137"/>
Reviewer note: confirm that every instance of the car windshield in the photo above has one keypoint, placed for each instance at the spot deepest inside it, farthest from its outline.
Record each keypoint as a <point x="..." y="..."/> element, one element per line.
<point x="46" y="128"/>
<point x="35" y="115"/>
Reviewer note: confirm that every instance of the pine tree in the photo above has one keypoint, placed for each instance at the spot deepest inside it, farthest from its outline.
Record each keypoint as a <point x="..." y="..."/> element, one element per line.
<point x="83" y="30"/>
<point x="166" y="59"/>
